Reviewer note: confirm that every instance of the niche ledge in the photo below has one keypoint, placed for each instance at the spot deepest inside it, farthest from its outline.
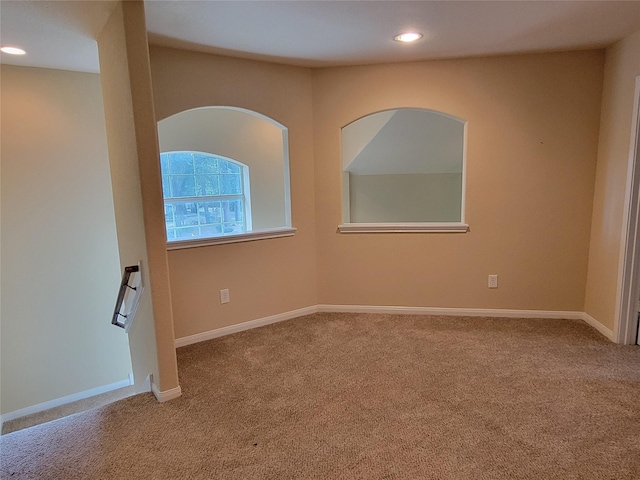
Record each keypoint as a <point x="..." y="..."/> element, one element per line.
<point x="403" y="228"/>
<point x="241" y="237"/>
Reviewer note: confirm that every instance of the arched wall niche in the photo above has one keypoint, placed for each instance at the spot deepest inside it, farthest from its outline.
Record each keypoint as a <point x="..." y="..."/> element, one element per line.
<point x="246" y="136"/>
<point x="404" y="169"/>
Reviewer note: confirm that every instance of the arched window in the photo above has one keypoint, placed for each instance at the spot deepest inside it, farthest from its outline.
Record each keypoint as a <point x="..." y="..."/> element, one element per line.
<point x="205" y="195"/>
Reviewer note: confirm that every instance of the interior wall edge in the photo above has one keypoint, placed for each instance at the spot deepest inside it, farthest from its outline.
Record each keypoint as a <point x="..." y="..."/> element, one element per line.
<point x="606" y="245"/>
<point x="147" y="149"/>
<point x="603" y="329"/>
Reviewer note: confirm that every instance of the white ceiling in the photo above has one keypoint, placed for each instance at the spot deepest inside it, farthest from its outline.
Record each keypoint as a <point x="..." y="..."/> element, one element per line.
<point x="56" y="34"/>
<point x="61" y="34"/>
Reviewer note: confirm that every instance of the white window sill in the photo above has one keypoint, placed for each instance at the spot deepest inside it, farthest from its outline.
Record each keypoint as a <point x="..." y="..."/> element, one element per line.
<point x="403" y="228"/>
<point x="241" y="237"/>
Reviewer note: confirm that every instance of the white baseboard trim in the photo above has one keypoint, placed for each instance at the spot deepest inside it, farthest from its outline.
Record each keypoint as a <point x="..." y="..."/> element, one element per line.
<point x="607" y="332"/>
<point x="240" y="327"/>
<point x="41" y="407"/>
<point x="166" y="395"/>
<point x="460" y="312"/>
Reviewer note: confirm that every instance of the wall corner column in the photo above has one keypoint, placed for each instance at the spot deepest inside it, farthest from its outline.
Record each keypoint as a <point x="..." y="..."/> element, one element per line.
<point x="137" y="188"/>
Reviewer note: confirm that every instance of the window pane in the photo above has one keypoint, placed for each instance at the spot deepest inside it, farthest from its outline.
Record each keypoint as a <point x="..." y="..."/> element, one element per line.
<point x="183" y="186"/>
<point x="164" y="162"/>
<point x="206" y="164"/>
<point x="230" y="185"/>
<point x="166" y="186"/>
<point x="232" y="228"/>
<point x="211" y="230"/>
<point x="181" y="163"/>
<point x="232" y="210"/>
<point x="187" y="233"/>
<point x="168" y="215"/>
<point x="207" y="185"/>
<point x="185" y="214"/>
<point x="238" y="207"/>
<point x="210" y="212"/>
<point x="228" y="167"/>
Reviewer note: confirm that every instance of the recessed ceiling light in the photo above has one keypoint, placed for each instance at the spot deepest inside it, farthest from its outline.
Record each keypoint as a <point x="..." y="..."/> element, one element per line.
<point x="408" y="37"/>
<point x="12" y="50"/>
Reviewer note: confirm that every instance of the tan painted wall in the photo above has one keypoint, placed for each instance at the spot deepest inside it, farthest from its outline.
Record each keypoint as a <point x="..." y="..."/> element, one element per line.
<point x="417" y="197"/>
<point x="531" y="158"/>
<point x="622" y="65"/>
<point x="60" y="269"/>
<point x="265" y="277"/>
<point x="137" y="190"/>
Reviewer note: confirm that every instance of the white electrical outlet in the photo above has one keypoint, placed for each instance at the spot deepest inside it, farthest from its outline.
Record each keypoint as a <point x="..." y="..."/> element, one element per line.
<point x="493" y="281"/>
<point x="224" y="296"/>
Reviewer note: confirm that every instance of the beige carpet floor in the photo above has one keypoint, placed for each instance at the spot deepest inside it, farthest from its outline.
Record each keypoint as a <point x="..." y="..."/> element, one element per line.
<point x="342" y="396"/>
